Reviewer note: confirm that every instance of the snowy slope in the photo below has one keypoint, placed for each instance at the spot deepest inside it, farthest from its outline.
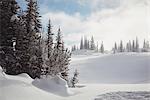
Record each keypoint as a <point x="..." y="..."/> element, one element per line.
<point x="93" y="68"/>
<point x="112" y="68"/>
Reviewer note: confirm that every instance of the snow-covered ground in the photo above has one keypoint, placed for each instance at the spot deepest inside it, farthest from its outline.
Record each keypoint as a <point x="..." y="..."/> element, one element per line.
<point x="97" y="73"/>
<point x="118" y="68"/>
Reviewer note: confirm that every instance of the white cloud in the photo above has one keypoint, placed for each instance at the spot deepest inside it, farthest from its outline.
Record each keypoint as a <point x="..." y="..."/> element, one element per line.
<point x="125" y="22"/>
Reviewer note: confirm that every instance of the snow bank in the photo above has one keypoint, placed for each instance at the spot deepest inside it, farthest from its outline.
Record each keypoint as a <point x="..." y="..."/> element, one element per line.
<point x="55" y="85"/>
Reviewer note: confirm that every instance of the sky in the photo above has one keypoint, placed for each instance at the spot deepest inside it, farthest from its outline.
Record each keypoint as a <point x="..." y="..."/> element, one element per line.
<point x="107" y="20"/>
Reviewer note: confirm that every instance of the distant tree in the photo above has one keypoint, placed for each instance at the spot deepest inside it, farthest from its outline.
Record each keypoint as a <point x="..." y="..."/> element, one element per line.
<point x="130" y="46"/>
<point x="102" y="48"/>
<point x="81" y="44"/>
<point x="146" y="46"/>
<point x="137" y="45"/>
<point x="133" y="46"/>
<point x="88" y="44"/>
<point x="127" y="47"/>
<point x="115" y="49"/>
<point x="121" y="48"/>
<point x="97" y="49"/>
<point x="85" y="43"/>
<point x="92" y="47"/>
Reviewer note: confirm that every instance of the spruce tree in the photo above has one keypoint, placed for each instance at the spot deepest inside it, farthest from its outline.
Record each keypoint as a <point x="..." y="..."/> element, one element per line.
<point x="102" y="48"/>
<point x="92" y="47"/>
<point x="33" y="27"/>
<point x="62" y="57"/>
<point x="75" y="79"/>
<point x="85" y="43"/>
<point x="130" y="46"/>
<point x="121" y="49"/>
<point x="137" y="45"/>
<point x="133" y="46"/>
<point x="50" y="50"/>
<point x="81" y="44"/>
<point x="49" y="40"/>
<point x="8" y="18"/>
<point x="115" y="48"/>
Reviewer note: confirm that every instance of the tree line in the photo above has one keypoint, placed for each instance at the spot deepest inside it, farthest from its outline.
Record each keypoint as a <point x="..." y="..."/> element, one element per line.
<point x="21" y="43"/>
<point x="131" y="46"/>
<point x="90" y="44"/>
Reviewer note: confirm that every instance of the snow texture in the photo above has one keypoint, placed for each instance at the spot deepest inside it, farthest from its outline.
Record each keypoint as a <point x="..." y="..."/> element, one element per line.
<point x="125" y="96"/>
<point x="125" y="68"/>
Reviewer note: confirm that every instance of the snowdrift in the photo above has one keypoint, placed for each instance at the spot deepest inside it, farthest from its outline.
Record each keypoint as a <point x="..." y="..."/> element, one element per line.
<point x="23" y="87"/>
<point x="55" y="85"/>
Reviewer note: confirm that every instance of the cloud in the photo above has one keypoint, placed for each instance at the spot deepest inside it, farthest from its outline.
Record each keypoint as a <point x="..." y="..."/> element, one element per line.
<point x="123" y="22"/>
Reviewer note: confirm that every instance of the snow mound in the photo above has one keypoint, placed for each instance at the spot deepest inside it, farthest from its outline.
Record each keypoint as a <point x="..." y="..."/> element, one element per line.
<point x="55" y="85"/>
<point x="24" y="75"/>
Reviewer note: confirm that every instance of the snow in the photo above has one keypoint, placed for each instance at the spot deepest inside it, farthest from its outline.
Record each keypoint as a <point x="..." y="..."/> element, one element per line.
<point x="100" y="75"/>
<point x="14" y="17"/>
<point x="54" y="85"/>
<point x="125" y="68"/>
<point x="125" y="96"/>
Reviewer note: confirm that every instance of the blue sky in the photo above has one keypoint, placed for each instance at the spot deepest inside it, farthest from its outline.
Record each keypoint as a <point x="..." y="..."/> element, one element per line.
<point x="68" y="6"/>
<point x="107" y="20"/>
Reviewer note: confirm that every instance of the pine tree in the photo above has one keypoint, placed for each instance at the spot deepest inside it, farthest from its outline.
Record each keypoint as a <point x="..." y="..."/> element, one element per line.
<point x="127" y="47"/>
<point x="133" y="46"/>
<point x="102" y="48"/>
<point x="137" y="45"/>
<point x="81" y="44"/>
<point x="33" y="26"/>
<point x="88" y="44"/>
<point x="121" y="47"/>
<point x="115" y="49"/>
<point x="146" y="46"/>
<point x="49" y="40"/>
<point x="75" y="79"/>
<point x="8" y="18"/>
<point x="60" y="58"/>
<point x="85" y="43"/>
<point x="130" y="46"/>
<point x="92" y="47"/>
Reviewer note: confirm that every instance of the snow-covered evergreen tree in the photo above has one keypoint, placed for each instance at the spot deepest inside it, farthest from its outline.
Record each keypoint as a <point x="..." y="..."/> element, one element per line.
<point x="137" y="45"/>
<point x="102" y="48"/>
<point x="121" y="49"/>
<point x="85" y="43"/>
<point x="33" y="26"/>
<point x="8" y="23"/>
<point x="115" y="49"/>
<point x="146" y="46"/>
<point x="81" y="44"/>
<point x="133" y="46"/>
<point x="59" y="58"/>
<point x="92" y="47"/>
<point x="74" y="79"/>
<point x="49" y="42"/>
